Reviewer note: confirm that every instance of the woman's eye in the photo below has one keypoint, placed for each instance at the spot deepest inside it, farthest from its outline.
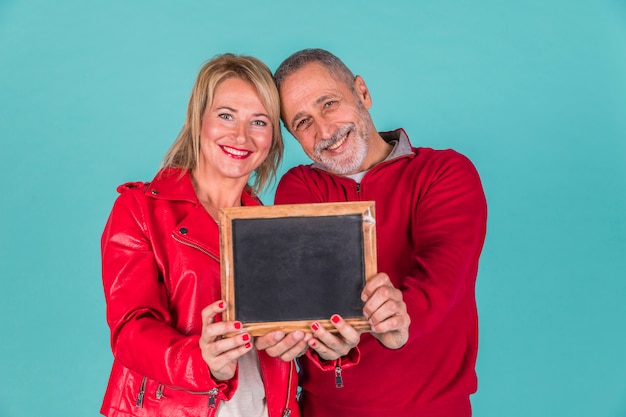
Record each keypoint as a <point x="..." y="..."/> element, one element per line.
<point x="225" y="116"/>
<point x="259" y="123"/>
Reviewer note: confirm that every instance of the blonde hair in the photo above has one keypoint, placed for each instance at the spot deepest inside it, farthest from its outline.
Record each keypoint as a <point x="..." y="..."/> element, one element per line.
<point x="185" y="151"/>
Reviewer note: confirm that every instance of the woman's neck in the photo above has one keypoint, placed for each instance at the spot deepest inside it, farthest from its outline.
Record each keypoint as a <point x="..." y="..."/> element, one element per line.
<point x="214" y="194"/>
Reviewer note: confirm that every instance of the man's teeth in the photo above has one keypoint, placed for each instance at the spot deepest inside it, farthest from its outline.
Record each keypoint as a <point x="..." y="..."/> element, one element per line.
<point x="236" y="152"/>
<point x="337" y="144"/>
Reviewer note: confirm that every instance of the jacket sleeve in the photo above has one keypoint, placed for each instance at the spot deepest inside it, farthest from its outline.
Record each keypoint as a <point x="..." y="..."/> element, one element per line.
<point x="142" y="338"/>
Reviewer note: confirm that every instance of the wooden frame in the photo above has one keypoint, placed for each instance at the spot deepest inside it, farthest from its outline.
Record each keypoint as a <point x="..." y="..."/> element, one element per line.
<point x="285" y="267"/>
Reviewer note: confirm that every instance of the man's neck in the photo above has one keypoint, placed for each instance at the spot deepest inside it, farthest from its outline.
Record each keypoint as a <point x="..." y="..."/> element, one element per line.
<point x="378" y="150"/>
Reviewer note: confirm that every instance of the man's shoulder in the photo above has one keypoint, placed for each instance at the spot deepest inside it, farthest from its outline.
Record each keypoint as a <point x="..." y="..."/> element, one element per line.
<point x="439" y="155"/>
<point x="301" y="170"/>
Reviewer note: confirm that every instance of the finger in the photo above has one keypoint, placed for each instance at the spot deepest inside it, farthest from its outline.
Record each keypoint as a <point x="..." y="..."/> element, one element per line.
<point x="268" y="340"/>
<point x="210" y="311"/>
<point x="297" y="350"/>
<point x="392" y="324"/>
<point x="348" y="333"/>
<point x="340" y="344"/>
<point x="214" y="331"/>
<point x="382" y="295"/>
<point x="288" y="346"/>
<point x="219" y="346"/>
<point x="223" y="365"/>
<point x="389" y="317"/>
<point x="378" y="280"/>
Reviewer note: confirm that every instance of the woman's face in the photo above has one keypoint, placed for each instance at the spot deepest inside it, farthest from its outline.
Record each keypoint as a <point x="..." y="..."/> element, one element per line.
<point x="236" y="133"/>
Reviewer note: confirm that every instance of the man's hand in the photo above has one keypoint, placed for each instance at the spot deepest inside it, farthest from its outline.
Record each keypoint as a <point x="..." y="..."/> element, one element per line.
<point x="386" y="311"/>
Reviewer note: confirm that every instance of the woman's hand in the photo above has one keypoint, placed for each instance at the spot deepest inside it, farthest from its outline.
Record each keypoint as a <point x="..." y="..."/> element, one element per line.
<point x="219" y="352"/>
<point x="331" y="346"/>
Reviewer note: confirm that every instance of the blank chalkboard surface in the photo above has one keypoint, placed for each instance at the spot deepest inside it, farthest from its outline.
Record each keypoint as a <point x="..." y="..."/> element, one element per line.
<point x="284" y="267"/>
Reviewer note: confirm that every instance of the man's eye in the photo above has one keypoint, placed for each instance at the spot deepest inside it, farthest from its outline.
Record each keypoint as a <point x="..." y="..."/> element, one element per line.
<point x="301" y="124"/>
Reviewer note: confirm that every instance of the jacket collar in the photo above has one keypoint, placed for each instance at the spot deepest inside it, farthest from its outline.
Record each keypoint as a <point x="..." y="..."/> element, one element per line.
<point x="197" y="228"/>
<point x="175" y="184"/>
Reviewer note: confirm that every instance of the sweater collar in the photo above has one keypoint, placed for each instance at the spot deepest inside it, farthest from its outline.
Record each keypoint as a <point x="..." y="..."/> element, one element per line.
<point x="401" y="147"/>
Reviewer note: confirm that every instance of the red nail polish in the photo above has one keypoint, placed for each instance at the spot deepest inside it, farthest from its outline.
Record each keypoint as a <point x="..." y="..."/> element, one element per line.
<point x="315" y="326"/>
<point x="237" y="325"/>
<point x="248" y="346"/>
<point x="335" y="319"/>
<point x="245" y="337"/>
<point x="221" y="304"/>
<point x="313" y="343"/>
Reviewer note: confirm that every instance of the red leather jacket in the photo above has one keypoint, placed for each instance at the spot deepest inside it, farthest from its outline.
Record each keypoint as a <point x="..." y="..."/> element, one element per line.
<point x="160" y="268"/>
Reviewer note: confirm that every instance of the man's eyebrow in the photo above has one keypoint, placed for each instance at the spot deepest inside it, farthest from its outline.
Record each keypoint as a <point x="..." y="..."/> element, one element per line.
<point x="320" y="100"/>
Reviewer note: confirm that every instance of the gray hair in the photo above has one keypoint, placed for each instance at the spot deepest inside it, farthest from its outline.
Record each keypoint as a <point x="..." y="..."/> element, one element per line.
<point x="299" y="59"/>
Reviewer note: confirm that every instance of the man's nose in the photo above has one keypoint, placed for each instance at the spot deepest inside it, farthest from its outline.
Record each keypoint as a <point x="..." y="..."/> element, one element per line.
<point x="326" y="129"/>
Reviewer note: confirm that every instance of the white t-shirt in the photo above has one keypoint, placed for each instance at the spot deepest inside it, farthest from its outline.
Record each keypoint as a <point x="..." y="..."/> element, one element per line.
<point x="249" y="399"/>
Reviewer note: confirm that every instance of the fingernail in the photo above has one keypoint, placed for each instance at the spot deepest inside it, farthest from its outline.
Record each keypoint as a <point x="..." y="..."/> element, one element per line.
<point x="313" y="343"/>
<point x="335" y="319"/>
<point x="237" y="325"/>
<point x="248" y="346"/>
<point x="315" y="326"/>
<point x="245" y="337"/>
<point x="221" y="304"/>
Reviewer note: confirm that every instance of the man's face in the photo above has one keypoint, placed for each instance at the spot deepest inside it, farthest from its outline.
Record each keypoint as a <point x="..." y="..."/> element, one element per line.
<point x="328" y="118"/>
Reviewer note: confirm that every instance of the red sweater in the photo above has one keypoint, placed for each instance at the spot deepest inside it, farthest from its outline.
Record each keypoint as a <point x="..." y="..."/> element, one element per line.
<point x="430" y="223"/>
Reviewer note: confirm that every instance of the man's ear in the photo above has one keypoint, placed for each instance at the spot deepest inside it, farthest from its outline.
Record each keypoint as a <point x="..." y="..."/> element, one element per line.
<point x="362" y="92"/>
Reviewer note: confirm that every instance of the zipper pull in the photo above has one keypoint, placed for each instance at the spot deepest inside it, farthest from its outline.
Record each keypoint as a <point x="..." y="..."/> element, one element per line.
<point x="287" y="412"/>
<point x="159" y="392"/>
<point x="142" y="392"/>
<point x="212" y="395"/>
<point x="338" y="377"/>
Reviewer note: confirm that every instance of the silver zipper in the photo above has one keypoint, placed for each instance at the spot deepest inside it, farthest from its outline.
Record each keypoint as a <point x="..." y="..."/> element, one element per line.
<point x="142" y="392"/>
<point x="159" y="392"/>
<point x="338" y="377"/>
<point x="212" y="395"/>
<point x="287" y="411"/>
<point x="176" y="238"/>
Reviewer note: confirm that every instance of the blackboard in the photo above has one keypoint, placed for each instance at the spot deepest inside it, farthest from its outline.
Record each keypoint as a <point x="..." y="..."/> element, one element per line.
<point x="284" y="267"/>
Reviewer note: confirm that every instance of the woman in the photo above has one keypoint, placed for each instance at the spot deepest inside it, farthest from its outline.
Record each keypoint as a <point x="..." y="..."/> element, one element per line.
<point x="160" y="261"/>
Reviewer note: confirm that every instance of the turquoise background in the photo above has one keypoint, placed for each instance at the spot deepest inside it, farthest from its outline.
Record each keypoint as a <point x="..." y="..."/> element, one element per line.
<point x="534" y="92"/>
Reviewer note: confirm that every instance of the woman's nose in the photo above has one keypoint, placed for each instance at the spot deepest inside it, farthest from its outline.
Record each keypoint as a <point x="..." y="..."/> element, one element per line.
<point x="241" y="133"/>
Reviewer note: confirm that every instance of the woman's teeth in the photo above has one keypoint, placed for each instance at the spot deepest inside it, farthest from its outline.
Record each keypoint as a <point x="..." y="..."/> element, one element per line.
<point x="235" y="152"/>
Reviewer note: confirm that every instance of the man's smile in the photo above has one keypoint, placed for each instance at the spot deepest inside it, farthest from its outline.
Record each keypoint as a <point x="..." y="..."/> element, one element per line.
<point x="337" y="143"/>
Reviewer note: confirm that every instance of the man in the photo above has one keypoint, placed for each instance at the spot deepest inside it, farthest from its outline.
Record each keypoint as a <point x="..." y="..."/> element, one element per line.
<point x="419" y="359"/>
